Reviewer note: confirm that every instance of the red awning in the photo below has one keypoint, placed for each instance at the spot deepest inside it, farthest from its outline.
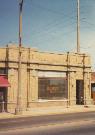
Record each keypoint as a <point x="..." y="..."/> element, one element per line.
<point x="4" y="81"/>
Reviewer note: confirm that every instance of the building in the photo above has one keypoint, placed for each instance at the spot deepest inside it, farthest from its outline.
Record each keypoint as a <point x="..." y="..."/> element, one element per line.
<point x="47" y="79"/>
<point x="93" y="86"/>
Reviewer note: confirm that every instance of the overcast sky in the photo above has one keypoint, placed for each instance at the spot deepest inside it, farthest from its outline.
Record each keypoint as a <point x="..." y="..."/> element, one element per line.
<point x="49" y="25"/>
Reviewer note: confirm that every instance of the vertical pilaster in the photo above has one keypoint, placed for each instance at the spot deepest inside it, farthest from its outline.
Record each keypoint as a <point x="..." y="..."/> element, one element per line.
<point x="68" y="78"/>
<point x="71" y="82"/>
<point x="12" y="90"/>
<point x="71" y="88"/>
<point x="87" y="88"/>
<point x="28" y="79"/>
<point x="33" y="92"/>
<point x="24" y="86"/>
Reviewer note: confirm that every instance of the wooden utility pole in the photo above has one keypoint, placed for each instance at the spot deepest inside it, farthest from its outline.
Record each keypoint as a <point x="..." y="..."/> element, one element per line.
<point x="19" y="108"/>
<point x="78" y="26"/>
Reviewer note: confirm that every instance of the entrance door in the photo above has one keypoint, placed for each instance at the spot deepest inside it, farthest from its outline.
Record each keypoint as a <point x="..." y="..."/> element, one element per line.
<point x="79" y="92"/>
<point x="93" y="92"/>
<point x="3" y="99"/>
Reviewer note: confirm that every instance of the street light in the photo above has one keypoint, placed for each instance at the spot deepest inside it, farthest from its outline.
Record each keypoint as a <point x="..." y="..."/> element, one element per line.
<point x="18" y="109"/>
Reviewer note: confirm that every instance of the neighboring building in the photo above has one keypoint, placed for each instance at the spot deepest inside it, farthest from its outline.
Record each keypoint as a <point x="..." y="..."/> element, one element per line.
<point x="47" y="79"/>
<point x="93" y="86"/>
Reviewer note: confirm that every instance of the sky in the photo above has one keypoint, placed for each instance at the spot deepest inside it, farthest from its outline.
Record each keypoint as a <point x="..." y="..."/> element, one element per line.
<point x="49" y="25"/>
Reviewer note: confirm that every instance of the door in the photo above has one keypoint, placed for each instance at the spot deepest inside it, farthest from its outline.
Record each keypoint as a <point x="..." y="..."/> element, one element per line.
<point x="93" y="92"/>
<point x="79" y="92"/>
<point x="3" y="99"/>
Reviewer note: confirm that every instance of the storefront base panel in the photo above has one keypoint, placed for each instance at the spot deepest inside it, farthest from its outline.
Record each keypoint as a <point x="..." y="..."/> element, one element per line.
<point x="72" y="102"/>
<point x="12" y="106"/>
<point x="44" y="103"/>
<point x="88" y="102"/>
<point x="48" y="104"/>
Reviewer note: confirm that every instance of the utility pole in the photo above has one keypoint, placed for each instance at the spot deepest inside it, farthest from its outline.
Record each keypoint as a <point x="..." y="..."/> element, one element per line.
<point x="78" y="26"/>
<point x="18" y="109"/>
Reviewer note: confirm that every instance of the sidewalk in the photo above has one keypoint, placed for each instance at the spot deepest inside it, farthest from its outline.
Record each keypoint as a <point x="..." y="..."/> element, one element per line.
<point x="49" y="111"/>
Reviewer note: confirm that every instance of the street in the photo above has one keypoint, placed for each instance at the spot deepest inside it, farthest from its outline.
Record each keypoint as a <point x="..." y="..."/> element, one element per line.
<point x="64" y="124"/>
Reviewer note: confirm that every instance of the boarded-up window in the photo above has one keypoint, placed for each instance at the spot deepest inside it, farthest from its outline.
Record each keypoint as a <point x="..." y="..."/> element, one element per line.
<point x="52" y="88"/>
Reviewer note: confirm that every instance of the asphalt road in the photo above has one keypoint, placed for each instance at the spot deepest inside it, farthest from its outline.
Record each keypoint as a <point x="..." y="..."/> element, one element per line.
<point x="64" y="124"/>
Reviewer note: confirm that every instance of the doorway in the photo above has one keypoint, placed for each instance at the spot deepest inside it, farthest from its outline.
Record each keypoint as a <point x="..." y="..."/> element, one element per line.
<point x="79" y="92"/>
<point x="3" y="99"/>
<point x="93" y="92"/>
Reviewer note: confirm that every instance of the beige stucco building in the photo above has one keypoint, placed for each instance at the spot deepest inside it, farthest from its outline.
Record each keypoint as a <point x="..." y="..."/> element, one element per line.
<point x="47" y="79"/>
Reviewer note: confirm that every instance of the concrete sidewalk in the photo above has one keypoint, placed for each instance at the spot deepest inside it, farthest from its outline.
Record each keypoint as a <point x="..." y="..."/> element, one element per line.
<point x="49" y="111"/>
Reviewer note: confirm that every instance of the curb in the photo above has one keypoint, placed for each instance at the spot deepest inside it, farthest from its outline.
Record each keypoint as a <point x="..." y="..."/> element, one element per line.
<point x="42" y="112"/>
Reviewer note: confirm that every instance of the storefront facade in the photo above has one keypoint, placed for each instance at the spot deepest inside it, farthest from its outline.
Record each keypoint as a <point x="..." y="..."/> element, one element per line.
<point x="47" y="79"/>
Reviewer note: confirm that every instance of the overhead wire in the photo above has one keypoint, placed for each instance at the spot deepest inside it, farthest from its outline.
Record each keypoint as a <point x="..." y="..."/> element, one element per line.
<point x="51" y="27"/>
<point x="57" y="24"/>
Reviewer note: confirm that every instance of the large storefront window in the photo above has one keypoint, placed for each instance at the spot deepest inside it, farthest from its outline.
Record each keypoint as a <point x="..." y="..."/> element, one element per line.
<point x="52" y="88"/>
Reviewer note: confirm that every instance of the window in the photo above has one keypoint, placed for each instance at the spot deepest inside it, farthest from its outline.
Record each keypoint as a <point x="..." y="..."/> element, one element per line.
<point x="52" y="88"/>
<point x="93" y="87"/>
<point x="2" y="71"/>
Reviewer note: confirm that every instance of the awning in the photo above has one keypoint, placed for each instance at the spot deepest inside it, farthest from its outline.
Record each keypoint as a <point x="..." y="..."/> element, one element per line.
<point x="4" y="81"/>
